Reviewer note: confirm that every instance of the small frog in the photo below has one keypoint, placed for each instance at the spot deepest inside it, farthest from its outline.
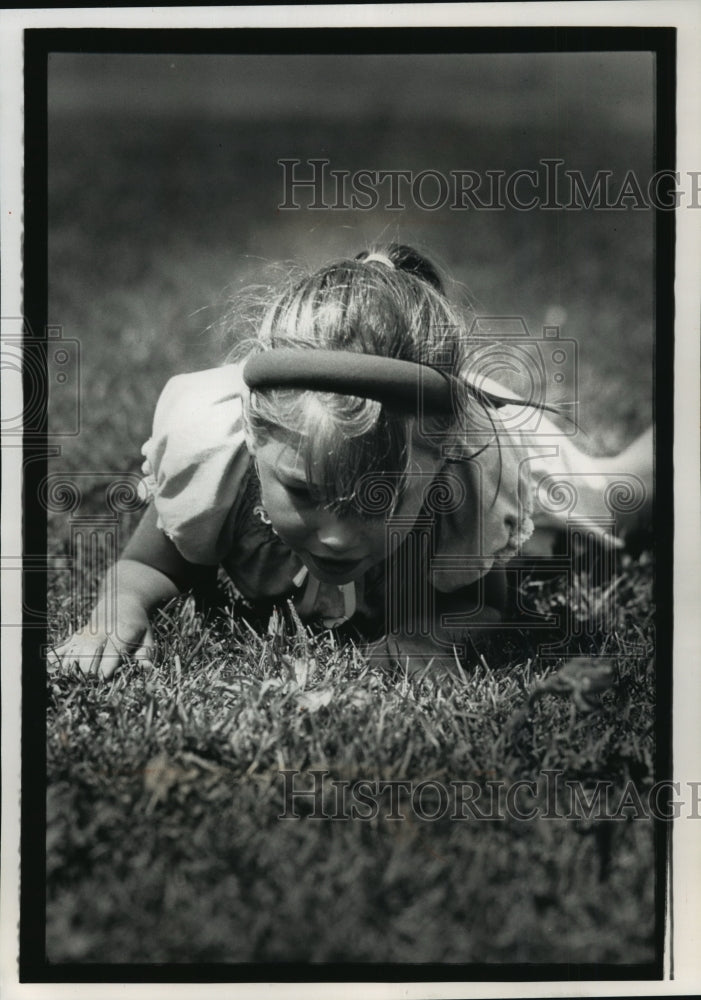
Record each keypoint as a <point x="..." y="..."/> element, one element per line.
<point x="584" y="678"/>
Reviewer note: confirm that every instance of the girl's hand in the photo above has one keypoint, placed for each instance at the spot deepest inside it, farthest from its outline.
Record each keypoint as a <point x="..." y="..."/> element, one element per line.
<point x="408" y="654"/>
<point x="99" y="651"/>
<point x="119" y="625"/>
<point x="458" y="646"/>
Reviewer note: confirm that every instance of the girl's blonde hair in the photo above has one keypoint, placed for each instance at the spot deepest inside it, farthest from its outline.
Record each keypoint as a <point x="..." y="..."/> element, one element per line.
<point x="388" y="302"/>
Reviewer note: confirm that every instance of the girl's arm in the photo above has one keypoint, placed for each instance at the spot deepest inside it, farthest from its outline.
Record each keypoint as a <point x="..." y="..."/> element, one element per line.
<point x="458" y="646"/>
<point x="484" y="602"/>
<point x="150" y="571"/>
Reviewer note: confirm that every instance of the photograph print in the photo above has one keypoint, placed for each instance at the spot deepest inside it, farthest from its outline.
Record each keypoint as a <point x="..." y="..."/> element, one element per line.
<point x="355" y="493"/>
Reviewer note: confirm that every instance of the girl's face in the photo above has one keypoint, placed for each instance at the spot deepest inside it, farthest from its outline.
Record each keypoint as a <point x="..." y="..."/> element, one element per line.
<point x="335" y="549"/>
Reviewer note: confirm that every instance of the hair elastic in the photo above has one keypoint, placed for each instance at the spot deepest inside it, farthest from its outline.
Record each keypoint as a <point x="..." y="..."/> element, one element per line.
<point x="381" y="258"/>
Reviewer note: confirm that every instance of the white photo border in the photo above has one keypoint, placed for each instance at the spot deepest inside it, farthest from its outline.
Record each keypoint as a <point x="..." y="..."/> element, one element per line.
<point x="686" y="17"/>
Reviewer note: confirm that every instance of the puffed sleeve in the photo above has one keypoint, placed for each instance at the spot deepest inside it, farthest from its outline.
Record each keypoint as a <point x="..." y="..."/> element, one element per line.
<point x="195" y="461"/>
<point x="489" y="516"/>
<point x="503" y="492"/>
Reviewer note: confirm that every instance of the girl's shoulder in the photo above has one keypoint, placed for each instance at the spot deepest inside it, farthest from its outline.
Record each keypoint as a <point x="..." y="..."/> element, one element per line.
<point x="195" y="396"/>
<point x="196" y="459"/>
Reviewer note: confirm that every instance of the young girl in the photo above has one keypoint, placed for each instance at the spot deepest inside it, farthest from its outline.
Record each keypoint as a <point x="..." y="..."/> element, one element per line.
<point x="358" y="462"/>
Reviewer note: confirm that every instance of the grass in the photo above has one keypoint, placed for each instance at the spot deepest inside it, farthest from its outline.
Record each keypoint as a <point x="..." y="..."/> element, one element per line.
<point x="164" y="842"/>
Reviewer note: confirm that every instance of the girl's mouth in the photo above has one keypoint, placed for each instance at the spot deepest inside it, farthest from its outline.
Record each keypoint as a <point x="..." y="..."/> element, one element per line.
<point x="336" y="567"/>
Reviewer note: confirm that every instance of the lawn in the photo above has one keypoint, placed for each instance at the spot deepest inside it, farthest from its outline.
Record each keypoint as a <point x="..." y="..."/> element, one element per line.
<point x="164" y="841"/>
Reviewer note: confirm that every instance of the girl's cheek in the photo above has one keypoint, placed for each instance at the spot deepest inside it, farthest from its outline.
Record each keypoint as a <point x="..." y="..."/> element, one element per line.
<point x="286" y="519"/>
<point x="396" y="531"/>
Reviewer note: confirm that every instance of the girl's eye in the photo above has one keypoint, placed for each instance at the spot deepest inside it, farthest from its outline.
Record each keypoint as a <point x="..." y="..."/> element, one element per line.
<point x="300" y="493"/>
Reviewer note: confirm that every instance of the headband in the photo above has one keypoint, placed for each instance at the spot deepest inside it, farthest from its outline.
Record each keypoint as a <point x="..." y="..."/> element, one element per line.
<point x="400" y="385"/>
<point x="404" y="386"/>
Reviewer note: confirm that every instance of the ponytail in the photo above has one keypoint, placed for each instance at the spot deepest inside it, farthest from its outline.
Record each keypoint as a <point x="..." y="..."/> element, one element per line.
<point x="406" y="259"/>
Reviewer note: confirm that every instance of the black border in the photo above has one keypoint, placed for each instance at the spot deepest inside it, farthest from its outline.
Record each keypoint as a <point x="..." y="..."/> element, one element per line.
<point x="38" y="43"/>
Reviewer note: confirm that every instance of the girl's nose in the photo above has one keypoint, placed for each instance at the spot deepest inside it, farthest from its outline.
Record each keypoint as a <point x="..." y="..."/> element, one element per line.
<point x="336" y="534"/>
